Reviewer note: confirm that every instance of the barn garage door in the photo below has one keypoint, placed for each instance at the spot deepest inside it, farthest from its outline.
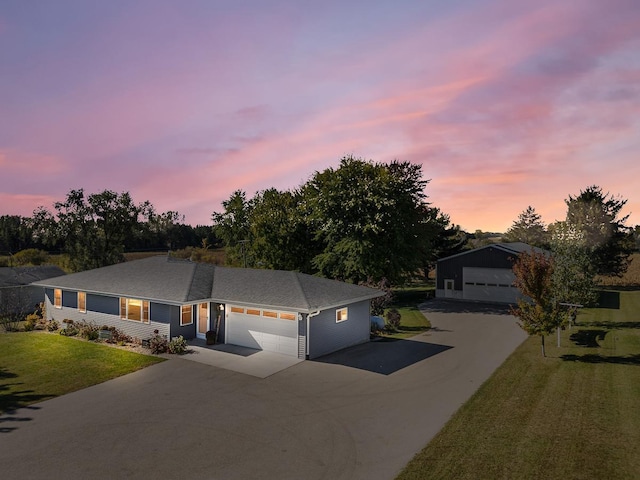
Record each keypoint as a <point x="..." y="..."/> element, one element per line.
<point x="268" y="330"/>
<point x="489" y="285"/>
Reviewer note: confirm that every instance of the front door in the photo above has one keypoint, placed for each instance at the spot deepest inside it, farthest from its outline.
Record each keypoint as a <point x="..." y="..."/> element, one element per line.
<point x="203" y="320"/>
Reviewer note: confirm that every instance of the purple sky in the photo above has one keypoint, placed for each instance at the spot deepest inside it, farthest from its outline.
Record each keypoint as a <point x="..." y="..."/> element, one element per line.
<point x="505" y="103"/>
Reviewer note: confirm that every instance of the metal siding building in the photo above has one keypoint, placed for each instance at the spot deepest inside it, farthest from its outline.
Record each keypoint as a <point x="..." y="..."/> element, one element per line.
<point x="483" y="274"/>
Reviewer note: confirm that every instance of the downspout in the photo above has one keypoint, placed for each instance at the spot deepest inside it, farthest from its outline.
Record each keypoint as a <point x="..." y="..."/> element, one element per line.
<point x="313" y="314"/>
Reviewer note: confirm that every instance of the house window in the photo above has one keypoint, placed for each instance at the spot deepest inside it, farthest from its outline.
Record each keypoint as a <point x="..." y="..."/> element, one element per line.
<point x="57" y="298"/>
<point x="342" y="315"/>
<point x="134" y="309"/>
<point x="186" y="317"/>
<point x="82" y="302"/>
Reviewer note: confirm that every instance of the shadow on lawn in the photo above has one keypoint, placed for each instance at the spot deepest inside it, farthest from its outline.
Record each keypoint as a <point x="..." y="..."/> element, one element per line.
<point x="592" y="358"/>
<point x="588" y="338"/>
<point x="12" y="401"/>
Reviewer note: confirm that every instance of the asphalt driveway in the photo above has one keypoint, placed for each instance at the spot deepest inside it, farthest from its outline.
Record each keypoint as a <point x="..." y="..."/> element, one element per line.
<point x="357" y="416"/>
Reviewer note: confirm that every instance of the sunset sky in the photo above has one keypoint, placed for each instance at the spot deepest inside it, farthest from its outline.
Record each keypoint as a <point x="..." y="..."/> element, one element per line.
<point x="505" y="103"/>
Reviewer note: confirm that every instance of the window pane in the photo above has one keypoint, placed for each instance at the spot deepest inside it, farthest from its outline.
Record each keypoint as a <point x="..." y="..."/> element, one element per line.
<point x="82" y="301"/>
<point x="267" y="313"/>
<point x="341" y="315"/>
<point x="57" y="297"/>
<point x="134" y="311"/>
<point x="237" y="310"/>
<point x="251" y="311"/>
<point x="185" y="316"/>
<point x="287" y="316"/>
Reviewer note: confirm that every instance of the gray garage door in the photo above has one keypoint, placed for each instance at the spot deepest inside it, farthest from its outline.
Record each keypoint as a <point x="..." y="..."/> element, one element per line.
<point x="489" y="285"/>
<point x="261" y="329"/>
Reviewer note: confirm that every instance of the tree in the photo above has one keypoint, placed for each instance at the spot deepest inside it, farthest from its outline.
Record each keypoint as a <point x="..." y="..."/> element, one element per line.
<point x="574" y="272"/>
<point x="529" y="229"/>
<point x="540" y="314"/>
<point x="279" y="232"/>
<point x="93" y="229"/>
<point x="233" y="227"/>
<point x="369" y="218"/>
<point x="594" y="217"/>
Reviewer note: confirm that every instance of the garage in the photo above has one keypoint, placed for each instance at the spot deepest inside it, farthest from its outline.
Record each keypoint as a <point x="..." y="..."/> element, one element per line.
<point x="262" y="329"/>
<point x="489" y="285"/>
<point x="484" y="274"/>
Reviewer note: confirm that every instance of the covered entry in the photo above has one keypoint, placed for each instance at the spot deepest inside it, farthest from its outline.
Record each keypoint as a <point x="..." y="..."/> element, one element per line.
<point x="269" y="330"/>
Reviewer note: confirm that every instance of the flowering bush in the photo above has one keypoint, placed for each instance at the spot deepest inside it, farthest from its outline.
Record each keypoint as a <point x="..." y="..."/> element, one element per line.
<point x="178" y="345"/>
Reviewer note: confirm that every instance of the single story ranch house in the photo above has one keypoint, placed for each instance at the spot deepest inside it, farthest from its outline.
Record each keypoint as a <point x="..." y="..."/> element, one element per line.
<point x="280" y="311"/>
<point x="483" y="274"/>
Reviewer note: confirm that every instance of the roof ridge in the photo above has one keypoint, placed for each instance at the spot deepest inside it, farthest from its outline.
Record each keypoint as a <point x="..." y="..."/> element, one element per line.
<point x="300" y="289"/>
<point x="193" y="277"/>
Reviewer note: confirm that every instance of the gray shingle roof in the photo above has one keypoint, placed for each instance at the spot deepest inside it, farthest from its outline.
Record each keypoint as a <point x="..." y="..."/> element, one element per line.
<point x="13" y="276"/>
<point x="182" y="281"/>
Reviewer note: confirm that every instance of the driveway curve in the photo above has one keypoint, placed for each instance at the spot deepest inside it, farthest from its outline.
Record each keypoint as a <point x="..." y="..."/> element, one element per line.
<point x="359" y="414"/>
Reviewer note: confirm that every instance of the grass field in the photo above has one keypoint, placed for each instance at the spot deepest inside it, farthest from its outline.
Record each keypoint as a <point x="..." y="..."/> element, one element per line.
<point x="572" y="415"/>
<point x="36" y="366"/>
<point x="406" y="301"/>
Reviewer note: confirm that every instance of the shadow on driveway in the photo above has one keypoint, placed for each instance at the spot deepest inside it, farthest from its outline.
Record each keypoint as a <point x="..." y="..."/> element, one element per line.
<point x="385" y="356"/>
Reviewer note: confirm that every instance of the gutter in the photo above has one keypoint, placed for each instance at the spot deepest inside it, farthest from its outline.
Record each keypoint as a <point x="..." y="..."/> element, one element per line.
<point x="306" y="347"/>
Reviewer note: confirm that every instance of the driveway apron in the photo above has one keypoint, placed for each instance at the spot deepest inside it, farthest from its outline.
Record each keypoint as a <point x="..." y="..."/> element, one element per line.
<point x="357" y="416"/>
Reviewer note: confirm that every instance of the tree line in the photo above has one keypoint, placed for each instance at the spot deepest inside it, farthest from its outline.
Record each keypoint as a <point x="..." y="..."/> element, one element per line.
<point x="95" y="230"/>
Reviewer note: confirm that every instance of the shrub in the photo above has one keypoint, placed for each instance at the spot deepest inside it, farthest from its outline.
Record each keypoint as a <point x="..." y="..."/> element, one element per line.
<point x="88" y="330"/>
<point x="158" y="344"/>
<point x="52" y="326"/>
<point x="393" y="320"/>
<point x="178" y="345"/>
<point x="30" y="322"/>
<point x="30" y="256"/>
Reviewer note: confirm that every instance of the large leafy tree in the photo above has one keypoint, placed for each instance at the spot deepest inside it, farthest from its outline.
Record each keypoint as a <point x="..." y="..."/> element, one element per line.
<point x="233" y="227"/>
<point x="93" y="229"/>
<point x="574" y="272"/>
<point x="370" y="219"/>
<point x="528" y="228"/>
<point x="539" y="314"/>
<point x="595" y="218"/>
<point x="280" y="235"/>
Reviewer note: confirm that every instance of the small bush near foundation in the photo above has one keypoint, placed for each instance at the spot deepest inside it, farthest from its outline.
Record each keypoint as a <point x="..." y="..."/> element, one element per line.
<point x="30" y="322"/>
<point x="88" y="331"/>
<point x="393" y="320"/>
<point x="52" y="326"/>
<point x="178" y="345"/>
<point x="158" y="344"/>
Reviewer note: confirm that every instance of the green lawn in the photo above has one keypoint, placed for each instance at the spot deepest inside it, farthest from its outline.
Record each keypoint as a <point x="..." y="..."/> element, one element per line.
<point x="572" y="415"/>
<point x="406" y="301"/>
<point x="35" y="366"/>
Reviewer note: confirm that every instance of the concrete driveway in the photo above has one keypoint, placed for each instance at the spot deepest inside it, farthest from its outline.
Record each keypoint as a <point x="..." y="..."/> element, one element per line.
<point x="358" y="416"/>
